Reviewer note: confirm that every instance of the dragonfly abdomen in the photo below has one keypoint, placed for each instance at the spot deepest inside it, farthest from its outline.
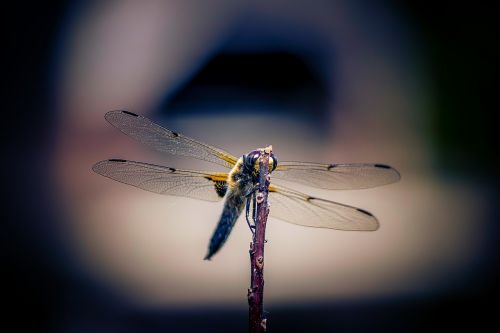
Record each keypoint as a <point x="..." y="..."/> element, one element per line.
<point x="232" y="209"/>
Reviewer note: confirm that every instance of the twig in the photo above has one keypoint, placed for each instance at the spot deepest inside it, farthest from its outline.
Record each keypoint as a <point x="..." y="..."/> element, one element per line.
<point x="256" y="291"/>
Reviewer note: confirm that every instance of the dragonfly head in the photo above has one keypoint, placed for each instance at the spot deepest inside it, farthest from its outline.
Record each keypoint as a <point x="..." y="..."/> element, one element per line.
<point x="251" y="161"/>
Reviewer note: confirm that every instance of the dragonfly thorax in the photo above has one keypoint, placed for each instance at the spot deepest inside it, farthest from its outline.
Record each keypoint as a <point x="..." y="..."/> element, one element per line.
<point x="245" y="173"/>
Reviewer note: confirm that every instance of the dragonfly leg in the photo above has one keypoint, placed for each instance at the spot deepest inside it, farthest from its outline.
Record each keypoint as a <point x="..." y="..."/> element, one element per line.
<point x="254" y="211"/>
<point x="247" y="214"/>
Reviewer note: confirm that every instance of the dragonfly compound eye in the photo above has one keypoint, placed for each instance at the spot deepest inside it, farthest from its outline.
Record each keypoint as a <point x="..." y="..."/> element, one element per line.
<point x="248" y="162"/>
<point x="275" y="161"/>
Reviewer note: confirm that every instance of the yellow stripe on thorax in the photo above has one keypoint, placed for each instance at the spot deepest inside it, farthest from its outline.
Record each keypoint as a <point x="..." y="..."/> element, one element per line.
<point x="231" y="182"/>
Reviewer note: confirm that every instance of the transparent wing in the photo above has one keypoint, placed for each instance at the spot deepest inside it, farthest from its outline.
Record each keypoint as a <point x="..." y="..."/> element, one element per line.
<point x="144" y="130"/>
<point x="163" y="180"/>
<point x="337" y="176"/>
<point x="298" y="208"/>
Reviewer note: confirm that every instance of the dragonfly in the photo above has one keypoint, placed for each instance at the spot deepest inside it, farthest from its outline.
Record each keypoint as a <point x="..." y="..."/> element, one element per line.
<point x="237" y="186"/>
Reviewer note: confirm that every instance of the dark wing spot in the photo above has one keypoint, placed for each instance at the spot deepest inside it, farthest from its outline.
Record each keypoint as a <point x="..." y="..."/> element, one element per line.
<point x="172" y="169"/>
<point x="383" y="166"/>
<point x="364" y="212"/>
<point x="130" y="113"/>
<point x="117" y="160"/>
<point x="331" y="166"/>
<point x="310" y="198"/>
<point x="220" y="188"/>
<point x="175" y="134"/>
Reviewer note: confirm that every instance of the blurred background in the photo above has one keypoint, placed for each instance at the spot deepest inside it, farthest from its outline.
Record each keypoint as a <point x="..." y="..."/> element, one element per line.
<point x="399" y="83"/>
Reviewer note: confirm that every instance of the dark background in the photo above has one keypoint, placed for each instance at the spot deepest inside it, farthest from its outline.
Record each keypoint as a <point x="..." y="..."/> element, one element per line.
<point x="45" y="292"/>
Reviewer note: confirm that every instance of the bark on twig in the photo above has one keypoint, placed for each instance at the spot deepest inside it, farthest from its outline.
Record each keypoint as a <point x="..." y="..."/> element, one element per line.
<point x="256" y="291"/>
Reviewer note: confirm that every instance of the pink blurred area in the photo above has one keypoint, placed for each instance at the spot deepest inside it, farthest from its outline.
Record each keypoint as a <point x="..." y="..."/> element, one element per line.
<point x="149" y="248"/>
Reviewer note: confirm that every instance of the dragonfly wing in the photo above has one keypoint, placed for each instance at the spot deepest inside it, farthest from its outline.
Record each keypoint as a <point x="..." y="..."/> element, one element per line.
<point x="163" y="180"/>
<point x="298" y="208"/>
<point x="144" y="130"/>
<point x="337" y="176"/>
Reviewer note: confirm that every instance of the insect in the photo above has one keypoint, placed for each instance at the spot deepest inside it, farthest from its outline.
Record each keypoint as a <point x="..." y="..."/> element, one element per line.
<point x="238" y="185"/>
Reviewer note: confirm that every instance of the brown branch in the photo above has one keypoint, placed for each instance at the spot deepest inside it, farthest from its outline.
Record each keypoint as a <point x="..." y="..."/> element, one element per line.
<point x="257" y="321"/>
